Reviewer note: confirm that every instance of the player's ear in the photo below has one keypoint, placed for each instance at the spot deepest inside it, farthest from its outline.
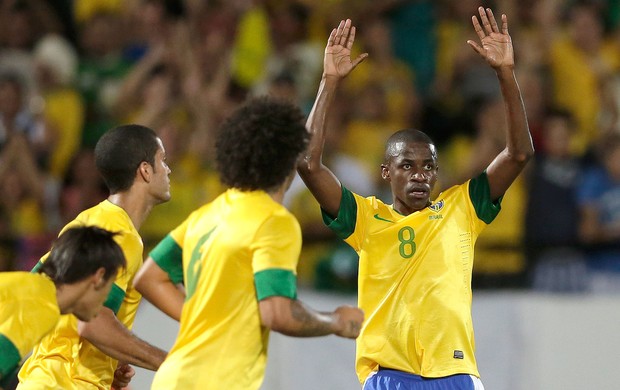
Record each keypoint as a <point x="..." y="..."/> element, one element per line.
<point x="385" y="172"/>
<point x="98" y="278"/>
<point x="144" y="170"/>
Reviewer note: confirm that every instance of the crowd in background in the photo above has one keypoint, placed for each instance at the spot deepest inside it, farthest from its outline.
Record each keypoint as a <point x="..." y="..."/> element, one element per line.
<point x="71" y="69"/>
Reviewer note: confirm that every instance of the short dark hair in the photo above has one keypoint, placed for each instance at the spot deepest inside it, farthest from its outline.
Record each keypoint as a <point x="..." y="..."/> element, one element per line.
<point x="80" y="251"/>
<point x="120" y="151"/>
<point x="405" y="135"/>
<point x="257" y="147"/>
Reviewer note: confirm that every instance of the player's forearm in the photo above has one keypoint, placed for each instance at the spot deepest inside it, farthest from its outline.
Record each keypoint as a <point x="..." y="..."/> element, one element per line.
<point x="115" y="340"/>
<point x="316" y="123"/>
<point x="518" y="139"/>
<point x="302" y="321"/>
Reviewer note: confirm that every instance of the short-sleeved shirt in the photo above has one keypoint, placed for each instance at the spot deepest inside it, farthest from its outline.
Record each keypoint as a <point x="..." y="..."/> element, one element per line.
<point x="65" y="360"/>
<point x="231" y="253"/>
<point x="415" y="279"/>
<point x="28" y="311"/>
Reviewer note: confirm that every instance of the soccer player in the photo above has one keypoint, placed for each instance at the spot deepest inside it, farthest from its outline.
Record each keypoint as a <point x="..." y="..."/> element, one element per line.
<point x="76" y="279"/>
<point x="84" y="355"/>
<point x="237" y="257"/>
<point x="416" y="255"/>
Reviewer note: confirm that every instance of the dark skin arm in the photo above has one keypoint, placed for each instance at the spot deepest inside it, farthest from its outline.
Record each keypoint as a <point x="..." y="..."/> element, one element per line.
<point x="497" y="51"/>
<point x="293" y="318"/>
<point x="337" y="64"/>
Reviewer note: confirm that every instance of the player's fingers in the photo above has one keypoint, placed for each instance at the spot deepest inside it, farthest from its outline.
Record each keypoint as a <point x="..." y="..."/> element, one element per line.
<point x="504" y="24"/>
<point x="339" y="33"/>
<point x="484" y="20"/>
<point x="332" y="37"/>
<point x="345" y="32"/>
<point x="477" y="27"/>
<point x="351" y="38"/>
<point x="359" y="59"/>
<point x="476" y="47"/>
<point x="492" y="20"/>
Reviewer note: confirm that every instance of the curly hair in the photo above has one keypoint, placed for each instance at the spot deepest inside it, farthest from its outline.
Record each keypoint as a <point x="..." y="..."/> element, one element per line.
<point x="258" y="145"/>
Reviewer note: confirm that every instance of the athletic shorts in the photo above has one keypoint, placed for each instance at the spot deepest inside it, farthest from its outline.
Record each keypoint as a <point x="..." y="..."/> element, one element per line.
<point x="386" y="379"/>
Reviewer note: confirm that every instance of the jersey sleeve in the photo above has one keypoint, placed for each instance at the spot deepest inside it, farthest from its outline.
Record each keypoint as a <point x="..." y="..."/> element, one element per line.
<point x="132" y="249"/>
<point x="168" y="254"/>
<point x="275" y="253"/>
<point x="346" y="222"/>
<point x="480" y="196"/>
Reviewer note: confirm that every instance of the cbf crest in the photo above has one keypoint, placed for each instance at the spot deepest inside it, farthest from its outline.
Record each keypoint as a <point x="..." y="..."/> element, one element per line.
<point x="436" y="207"/>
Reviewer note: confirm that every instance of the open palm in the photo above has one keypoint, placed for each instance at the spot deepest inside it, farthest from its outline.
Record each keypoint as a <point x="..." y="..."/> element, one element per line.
<point x="496" y="46"/>
<point x="337" y="61"/>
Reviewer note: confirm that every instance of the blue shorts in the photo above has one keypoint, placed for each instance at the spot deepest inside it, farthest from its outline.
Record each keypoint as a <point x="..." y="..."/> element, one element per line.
<point x="386" y="379"/>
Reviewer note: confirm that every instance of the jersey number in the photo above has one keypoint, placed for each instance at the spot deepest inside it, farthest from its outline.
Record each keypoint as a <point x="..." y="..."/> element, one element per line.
<point x="195" y="266"/>
<point x="407" y="247"/>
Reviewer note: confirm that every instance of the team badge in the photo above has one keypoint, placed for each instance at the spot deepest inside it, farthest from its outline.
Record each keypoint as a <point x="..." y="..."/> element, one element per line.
<point x="437" y="206"/>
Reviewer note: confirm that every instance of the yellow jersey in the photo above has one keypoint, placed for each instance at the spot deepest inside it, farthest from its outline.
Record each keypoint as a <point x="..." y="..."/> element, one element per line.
<point x="63" y="359"/>
<point x="231" y="253"/>
<point x="28" y="311"/>
<point x="415" y="279"/>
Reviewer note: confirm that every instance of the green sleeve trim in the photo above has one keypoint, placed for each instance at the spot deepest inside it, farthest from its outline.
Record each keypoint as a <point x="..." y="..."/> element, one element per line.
<point x="344" y="224"/>
<point x="168" y="255"/>
<point x="115" y="298"/>
<point x="480" y="195"/>
<point x="37" y="267"/>
<point x="9" y="360"/>
<point x="275" y="282"/>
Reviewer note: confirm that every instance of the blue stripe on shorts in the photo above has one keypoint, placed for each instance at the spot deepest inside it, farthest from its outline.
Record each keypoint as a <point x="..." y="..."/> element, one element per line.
<point x="386" y="379"/>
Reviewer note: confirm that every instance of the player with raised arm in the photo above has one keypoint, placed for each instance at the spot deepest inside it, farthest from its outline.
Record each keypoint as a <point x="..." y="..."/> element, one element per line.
<point x="416" y="254"/>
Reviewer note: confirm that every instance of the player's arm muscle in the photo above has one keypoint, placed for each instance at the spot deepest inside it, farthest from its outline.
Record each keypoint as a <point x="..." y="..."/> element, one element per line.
<point x="292" y="317"/>
<point x="108" y="334"/>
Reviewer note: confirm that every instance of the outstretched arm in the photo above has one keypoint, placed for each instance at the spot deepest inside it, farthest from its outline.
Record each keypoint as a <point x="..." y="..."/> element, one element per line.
<point x="497" y="50"/>
<point x="292" y="318"/>
<point x="108" y="334"/>
<point x="337" y="64"/>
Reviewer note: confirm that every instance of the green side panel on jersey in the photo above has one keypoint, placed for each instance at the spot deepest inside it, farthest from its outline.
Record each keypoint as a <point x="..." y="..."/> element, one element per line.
<point x="9" y="360"/>
<point x="115" y="298"/>
<point x="344" y="224"/>
<point x="275" y="282"/>
<point x="480" y="195"/>
<point x="169" y="256"/>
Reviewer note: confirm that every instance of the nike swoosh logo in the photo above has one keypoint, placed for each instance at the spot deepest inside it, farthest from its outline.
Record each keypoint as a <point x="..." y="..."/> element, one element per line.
<point x="382" y="219"/>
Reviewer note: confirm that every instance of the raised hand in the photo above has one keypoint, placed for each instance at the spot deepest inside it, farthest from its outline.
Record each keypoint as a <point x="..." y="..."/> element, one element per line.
<point x="337" y="61"/>
<point x="496" y="46"/>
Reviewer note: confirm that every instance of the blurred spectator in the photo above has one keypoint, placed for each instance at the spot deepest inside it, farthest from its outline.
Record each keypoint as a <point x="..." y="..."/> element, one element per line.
<point x="60" y="105"/>
<point x="582" y="60"/>
<point x="552" y="218"/>
<point x="101" y="71"/>
<point x="82" y="186"/>
<point x="15" y="117"/>
<point x="599" y="205"/>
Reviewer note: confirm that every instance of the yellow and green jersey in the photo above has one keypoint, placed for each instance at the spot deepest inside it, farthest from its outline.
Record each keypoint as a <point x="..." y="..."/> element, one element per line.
<point x="231" y="253"/>
<point x="28" y="311"/>
<point x="415" y="279"/>
<point x="65" y="360"/>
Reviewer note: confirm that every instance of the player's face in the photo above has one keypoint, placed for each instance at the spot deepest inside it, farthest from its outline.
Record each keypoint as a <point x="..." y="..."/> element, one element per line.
<point x="412" y="174"/>
<point x="161" y="181"/>
<point x="93" y="298"/>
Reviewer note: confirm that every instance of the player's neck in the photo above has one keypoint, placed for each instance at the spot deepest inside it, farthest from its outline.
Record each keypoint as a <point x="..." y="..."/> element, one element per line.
<point x="137" y="206"/>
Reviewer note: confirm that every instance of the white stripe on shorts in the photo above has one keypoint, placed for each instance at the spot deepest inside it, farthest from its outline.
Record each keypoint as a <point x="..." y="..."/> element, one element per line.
<point x="477" y="383"/>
